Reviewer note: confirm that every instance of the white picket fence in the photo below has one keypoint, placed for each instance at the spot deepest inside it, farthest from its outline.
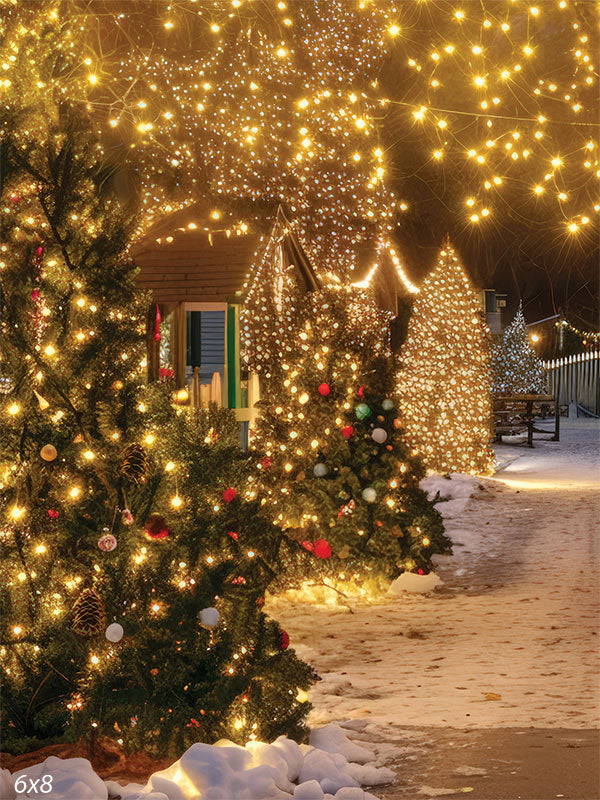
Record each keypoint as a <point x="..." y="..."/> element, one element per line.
<point x="575" y="380"/>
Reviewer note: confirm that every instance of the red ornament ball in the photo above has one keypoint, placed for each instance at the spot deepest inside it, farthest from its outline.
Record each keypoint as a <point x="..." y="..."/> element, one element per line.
<point x="156" y="527"/>
<point x="322" y="549"/>
<point x="265" y="462"/>
<point x="347" y="431"/>
<point x="285" y="640"/>
<point x="229" y="495"/>
<point x="361" y="391"/>
<point x="324" y="389"/>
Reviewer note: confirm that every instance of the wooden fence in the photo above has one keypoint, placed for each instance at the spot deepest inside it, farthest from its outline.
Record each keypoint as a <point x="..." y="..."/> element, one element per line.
<point x="576" y="380"/>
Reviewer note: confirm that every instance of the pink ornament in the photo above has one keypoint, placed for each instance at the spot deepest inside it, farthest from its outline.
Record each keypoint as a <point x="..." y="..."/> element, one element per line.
<point x="127" y="517"/>
<point x="107" y="543"/>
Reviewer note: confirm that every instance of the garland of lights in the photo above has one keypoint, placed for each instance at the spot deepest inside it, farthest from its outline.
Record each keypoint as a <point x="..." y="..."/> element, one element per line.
<point x="590" y="336"/>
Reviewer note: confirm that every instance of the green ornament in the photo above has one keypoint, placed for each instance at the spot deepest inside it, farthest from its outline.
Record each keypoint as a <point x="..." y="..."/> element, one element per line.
<point x="363" y="411"/>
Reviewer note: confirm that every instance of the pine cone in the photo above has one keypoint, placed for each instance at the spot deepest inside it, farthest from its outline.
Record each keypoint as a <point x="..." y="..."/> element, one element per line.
<point x="134" y="464"/>
<point x="88" y="614"/>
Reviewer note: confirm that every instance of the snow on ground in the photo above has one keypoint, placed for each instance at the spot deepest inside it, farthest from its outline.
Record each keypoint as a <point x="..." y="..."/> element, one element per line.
<point x="331" y="766"/>
<point x="511" y="637"/>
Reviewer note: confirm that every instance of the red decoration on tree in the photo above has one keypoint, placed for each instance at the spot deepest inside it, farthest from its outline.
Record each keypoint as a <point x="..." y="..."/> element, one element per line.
<point x="233" y="535"/>
<point x="322" y="549"/>
<point x="308" y="546"/>
<point x="156" y="527"/>
<point x="229" y="495"/>
<point x="265" y="462"/>
<point x="347" y="509"/>
<point x="157" y="325"/>
<point x="285" y="640"/>
<point x="324" y="389"/>
<point x="53" y="514"/>
<point x="347" y="431"/>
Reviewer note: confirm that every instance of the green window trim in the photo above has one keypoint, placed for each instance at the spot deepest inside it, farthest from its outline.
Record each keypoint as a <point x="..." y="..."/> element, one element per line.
<point x="232" y="357"/>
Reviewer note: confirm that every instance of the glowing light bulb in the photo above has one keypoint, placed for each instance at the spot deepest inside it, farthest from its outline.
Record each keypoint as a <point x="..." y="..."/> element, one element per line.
<point x="176" y="501"/>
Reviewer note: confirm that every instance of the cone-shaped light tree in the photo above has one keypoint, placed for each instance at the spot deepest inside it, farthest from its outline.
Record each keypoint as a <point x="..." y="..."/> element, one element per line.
<point x="133" y="560"/>
<point x="444" y="381"/>
<point x="516" y="368"/>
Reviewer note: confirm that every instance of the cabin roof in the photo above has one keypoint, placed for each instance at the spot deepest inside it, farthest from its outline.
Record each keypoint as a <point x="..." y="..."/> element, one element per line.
<point x="188" y="255"/>
<point x="191" y="256"/>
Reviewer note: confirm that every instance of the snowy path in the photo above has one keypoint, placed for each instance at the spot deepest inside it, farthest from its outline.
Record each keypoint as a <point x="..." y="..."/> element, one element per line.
<point x="512" y="638"/>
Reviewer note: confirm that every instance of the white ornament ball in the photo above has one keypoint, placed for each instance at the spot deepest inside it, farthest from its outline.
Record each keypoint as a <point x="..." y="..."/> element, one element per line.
<point x="114" y="632"/>
<point x="209" y="617"/>
<point x="379" y="435"/>
<point x="387" y="405"/>
<point x="320" y="470"/>
<point x="369" y="494"/>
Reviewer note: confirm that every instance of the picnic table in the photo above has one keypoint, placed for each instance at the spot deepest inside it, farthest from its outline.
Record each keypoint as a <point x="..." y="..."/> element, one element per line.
<point x="514" y="413"/>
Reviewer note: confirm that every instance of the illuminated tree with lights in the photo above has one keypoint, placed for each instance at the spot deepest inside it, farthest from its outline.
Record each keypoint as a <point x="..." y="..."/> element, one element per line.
<point x="134" y="559"/>
<point x="444" y="384"/>
<point x="334" y="471"/>
<point x="516" y="369"/>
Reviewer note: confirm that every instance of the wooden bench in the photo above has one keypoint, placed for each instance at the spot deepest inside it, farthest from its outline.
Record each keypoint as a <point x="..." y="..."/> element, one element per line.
<point x="514" y="414"/>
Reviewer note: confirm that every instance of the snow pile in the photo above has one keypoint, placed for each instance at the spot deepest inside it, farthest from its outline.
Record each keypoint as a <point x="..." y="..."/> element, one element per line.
<point x="450" y="494"/>
<point x="415" y="584"/>
<point x="331" y="766"/>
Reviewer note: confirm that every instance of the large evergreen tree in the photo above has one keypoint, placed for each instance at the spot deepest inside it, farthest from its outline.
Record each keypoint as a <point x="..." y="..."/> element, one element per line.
<point x="337" y="475"/>
<point x="444" y="383"/>
<point x="516" y="369"/>
<point x="134" y="561"/>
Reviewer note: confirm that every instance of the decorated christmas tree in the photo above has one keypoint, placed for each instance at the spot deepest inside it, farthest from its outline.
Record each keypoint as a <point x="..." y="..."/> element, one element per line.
<point x="134" y="560"/>
<point x="337" y="476"/>
<point x="516" y="369"/>
<point x="444" y="383"/>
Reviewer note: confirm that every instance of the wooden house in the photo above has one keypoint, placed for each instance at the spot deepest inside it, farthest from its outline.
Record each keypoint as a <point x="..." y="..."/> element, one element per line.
<point x="198" y="264"/>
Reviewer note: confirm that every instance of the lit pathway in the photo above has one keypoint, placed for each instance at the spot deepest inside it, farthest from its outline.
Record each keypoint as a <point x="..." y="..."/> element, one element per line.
<point x="510" y="641"/>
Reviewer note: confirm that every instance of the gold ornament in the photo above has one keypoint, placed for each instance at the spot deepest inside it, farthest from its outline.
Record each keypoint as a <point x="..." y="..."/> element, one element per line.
<point x="48" y="452"/>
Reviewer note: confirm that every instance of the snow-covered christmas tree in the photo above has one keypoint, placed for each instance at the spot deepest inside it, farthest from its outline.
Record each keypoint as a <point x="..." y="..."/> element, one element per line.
<point x="444" y="381"/>
<point x="516" y="369"/>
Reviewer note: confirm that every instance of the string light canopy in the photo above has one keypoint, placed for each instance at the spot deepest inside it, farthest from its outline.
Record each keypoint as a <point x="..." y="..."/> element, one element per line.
<point x="268" y="101"/>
